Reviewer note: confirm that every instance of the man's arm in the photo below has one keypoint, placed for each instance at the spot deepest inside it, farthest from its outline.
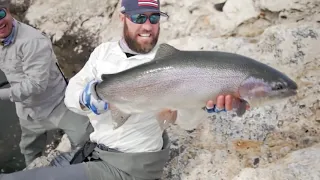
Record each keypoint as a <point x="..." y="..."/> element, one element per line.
<point x="77" y="84"/>
<point x="37" y="59"/>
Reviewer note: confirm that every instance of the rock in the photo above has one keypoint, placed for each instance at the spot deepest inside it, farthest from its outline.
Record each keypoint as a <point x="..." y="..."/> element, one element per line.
<point x="219" y="6"/>
<point x="63" y="147"/>
<point x="286" y="4"/>
<point x="234" y="14"/>
<point x="301" y="164"/>
<point x="70" y="17"/>
<point x="43" y="160"/>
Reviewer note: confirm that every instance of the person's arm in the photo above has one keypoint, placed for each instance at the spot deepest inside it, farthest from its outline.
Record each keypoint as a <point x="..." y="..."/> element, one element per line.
<point x="36" y="61"/>
<point x="79" y="82"/>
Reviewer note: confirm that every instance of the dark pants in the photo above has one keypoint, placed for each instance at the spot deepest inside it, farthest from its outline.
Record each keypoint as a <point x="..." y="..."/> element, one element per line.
<point x="34" y="137"/>
<point x="107" y="165"/>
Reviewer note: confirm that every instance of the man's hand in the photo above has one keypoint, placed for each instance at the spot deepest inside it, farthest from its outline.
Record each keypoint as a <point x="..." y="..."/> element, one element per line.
<point x="223" y="103"/>
<point x="89" y="99"/>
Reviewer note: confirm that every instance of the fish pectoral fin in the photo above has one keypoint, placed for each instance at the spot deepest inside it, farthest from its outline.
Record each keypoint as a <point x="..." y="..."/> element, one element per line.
<point x="165" y="117"/>
<point x="241" y="107"/>
<point x="118" y="117"/>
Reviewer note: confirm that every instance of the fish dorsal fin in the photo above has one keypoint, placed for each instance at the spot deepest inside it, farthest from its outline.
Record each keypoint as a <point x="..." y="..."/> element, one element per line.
<point x="165" y="50"/>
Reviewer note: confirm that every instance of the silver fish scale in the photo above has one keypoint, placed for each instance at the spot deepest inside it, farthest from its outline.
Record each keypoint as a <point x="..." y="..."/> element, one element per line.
<point x="168" y="87"/>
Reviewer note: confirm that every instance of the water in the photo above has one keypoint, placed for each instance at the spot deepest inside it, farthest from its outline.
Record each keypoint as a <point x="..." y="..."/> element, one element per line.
<point x="11" y="159"/>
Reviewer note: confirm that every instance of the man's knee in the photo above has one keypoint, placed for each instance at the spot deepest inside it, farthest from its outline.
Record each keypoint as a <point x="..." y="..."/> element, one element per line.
<point x="32" y="144"/>
<point x="77" y="127"/>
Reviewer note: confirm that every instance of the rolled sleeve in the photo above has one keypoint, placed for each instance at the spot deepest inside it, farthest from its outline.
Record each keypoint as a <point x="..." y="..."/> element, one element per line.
<point x="77" y="83"/>
<point x="37" y="59"/>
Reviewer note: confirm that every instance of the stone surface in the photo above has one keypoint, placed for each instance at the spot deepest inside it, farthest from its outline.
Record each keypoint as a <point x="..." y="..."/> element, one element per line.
<point x="280" y="139"/>
<point x="301" y="164"/>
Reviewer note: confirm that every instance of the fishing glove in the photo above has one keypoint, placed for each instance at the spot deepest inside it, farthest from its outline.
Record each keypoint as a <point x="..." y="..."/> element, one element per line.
<point x="90" y="99"/>
<point x="5" y="94"/>
<point x="214" y="109"/>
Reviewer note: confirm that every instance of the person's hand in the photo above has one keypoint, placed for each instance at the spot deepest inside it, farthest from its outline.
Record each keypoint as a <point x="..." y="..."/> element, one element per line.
<point x="166" y="117"/>
<point x="223" y="103"/>
<point x="89" y="99"/>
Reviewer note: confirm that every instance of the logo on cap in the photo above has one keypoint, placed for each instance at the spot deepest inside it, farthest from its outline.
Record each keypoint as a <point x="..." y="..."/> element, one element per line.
<point x="152" y="3"/>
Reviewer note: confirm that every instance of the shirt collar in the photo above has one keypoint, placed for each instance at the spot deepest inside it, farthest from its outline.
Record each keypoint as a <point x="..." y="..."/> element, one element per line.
<point x="8" y="40"/>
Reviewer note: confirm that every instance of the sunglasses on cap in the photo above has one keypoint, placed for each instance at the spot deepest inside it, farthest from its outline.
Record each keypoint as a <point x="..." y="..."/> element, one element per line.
<point x="3" y="13"/>
<point x="142" y="18"/>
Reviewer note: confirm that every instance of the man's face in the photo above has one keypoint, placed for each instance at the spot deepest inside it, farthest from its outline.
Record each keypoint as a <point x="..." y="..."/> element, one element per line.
<point x="140" y="38"/>
<point x="5" y="23"/>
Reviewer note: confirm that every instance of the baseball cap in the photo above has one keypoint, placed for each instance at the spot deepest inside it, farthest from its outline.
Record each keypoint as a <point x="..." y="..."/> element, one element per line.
<point x="4" y="3"/>
<point x="132" y="7"/>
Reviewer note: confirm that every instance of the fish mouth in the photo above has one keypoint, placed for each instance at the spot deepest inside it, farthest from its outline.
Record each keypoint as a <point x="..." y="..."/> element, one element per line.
<point x="292" y="92"/>
<point x="283" y="94"/>
<point x="288" y="93"/>
<point x="272" y="98"/>
<point x="292" y="86"/>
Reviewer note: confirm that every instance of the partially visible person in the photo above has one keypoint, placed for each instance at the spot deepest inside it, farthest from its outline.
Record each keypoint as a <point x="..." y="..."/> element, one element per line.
<point x="37" y="87"/>
<point x="139" y="148"/>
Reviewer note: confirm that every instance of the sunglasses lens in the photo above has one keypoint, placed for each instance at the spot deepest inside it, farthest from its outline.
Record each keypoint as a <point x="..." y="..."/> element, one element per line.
<point x="154" y="18"/>
<point x="2" y="13"/>
<point x="139" y="18"/>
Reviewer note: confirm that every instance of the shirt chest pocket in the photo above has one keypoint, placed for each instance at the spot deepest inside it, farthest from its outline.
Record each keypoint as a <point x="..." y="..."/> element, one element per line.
<point x="12" y="65"/>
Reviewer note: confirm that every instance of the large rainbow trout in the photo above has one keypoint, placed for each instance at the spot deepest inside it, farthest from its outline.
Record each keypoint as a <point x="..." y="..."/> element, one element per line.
<point x="178" y="80"/>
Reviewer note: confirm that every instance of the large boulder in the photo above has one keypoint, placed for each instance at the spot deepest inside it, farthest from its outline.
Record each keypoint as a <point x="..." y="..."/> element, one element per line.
<point x="300" y="164"/>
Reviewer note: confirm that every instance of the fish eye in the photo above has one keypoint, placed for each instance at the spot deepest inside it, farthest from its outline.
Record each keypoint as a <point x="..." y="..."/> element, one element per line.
<point x="278" y="87"/>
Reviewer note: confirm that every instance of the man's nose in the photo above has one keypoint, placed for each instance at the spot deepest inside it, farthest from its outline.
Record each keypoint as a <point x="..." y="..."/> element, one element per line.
<point x="147" y="25"/>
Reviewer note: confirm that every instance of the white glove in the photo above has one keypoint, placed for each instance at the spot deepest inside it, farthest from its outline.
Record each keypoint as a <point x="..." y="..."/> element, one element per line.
<point x="5" y="94"/>
<point x="90" y="99"/>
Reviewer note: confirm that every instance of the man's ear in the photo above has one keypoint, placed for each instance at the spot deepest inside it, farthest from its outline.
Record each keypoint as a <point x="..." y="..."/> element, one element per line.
<point x="122" y="17"/>
<point x="7" y="9"/>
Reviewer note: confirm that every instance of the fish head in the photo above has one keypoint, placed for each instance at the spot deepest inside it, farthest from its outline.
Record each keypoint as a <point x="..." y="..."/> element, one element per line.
<point x="267" y="87"/>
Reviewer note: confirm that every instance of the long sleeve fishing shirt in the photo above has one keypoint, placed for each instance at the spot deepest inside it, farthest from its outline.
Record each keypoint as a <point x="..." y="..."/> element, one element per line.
<point x="29" y="63"/>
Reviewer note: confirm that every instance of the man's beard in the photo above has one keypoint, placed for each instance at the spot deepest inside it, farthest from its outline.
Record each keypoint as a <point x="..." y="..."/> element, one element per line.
<point x="135" y="46"/>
